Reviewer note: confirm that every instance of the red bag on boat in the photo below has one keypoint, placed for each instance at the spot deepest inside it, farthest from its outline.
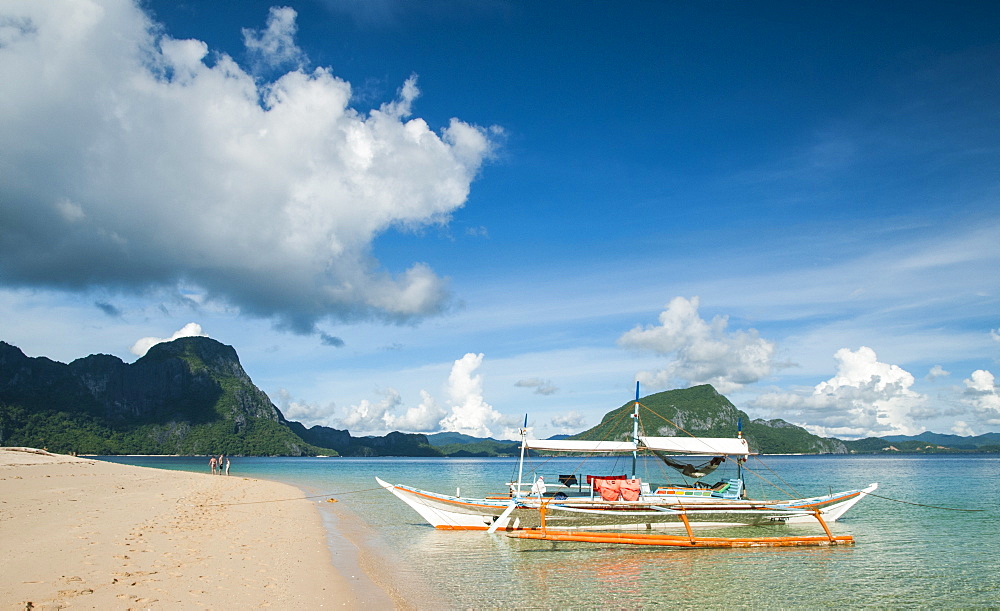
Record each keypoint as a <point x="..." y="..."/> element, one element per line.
<point x="610" y="489"/>
<point x="631" y="489"/>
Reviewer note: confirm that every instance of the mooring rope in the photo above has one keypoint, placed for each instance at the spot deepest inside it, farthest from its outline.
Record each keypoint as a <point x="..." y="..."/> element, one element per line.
<point x="792" y="494"/>
<point x="298" y="498"/>
<point x="885" y="498"/>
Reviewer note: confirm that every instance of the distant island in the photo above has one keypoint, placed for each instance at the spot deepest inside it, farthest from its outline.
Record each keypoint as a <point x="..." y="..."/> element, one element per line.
<point x="703" y="412"/>
<point x="191" y="396"/>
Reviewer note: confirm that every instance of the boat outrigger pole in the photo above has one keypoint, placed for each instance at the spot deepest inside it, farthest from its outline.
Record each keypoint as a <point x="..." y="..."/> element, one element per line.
<point x="635" y="428"/>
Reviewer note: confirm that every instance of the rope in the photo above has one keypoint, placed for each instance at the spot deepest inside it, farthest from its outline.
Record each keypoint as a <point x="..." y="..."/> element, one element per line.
<point x="790" y="495"/>
<point x="665" y="419"/>
<point x="666" y="474"/>
<point x="579" y="466"/>
<point x="794" y="493"/>
<point x="300" y="498"/>
<point x="885" y="498"/>
<point x="674" y="424"/>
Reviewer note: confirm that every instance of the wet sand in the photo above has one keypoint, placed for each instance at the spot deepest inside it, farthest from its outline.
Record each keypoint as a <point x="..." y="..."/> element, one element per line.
<point x="88" y="534"/>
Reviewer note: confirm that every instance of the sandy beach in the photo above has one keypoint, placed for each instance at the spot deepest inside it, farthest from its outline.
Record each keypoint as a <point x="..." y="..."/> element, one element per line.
<point x="81" y="533"/>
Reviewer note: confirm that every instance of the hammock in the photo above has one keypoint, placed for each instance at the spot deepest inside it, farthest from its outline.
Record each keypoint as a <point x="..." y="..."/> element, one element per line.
<point x="690" y="470"/>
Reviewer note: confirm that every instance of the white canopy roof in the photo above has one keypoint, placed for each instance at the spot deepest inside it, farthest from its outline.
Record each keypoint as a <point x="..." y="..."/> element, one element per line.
<point x="570" y="445"/>
<point x="682" y="445"/>
<point x="698" y="445"/>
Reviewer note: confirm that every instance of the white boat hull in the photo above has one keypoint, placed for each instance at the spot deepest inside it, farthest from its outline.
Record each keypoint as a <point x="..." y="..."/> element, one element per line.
<point x="449" y="512"/>
<point x="461" y="513"/>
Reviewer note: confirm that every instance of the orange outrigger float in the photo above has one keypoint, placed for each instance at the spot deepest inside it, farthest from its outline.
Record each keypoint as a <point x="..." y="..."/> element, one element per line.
<point x="633" y="538"/>
<point x="679" y="541"/>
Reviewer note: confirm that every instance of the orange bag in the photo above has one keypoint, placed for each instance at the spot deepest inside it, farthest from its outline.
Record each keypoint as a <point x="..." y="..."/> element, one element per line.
<point x="610" y="489"/>
<point x="631" y="489"/>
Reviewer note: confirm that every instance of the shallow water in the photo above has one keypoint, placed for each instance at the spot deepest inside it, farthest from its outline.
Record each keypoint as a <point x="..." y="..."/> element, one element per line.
<point x="906" y="555"/>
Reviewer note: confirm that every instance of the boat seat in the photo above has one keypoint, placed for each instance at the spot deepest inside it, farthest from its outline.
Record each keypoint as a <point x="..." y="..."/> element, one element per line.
<point x="720" y="486"/>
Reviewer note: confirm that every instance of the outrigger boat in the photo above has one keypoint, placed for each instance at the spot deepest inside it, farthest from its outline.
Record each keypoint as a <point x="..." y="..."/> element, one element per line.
<point x="627" y="505"/>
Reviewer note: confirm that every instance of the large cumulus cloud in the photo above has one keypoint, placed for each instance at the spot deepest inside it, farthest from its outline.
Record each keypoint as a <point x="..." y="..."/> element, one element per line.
<point x="462" y="409"/>
<point x="131" y="160"/>
<point x="699" y="351"/>
<point x="982" y="398"/>
<point x="866" y="397"/>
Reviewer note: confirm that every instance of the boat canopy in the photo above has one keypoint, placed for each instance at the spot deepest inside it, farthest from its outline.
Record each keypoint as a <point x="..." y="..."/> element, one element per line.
<point x="719" y="446"/>
<point x="715" y="446"/>
<point x="573" y="445"/>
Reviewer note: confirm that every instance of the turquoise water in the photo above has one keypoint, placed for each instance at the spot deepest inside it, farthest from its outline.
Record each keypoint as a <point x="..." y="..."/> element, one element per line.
<point x="905" y="555"/>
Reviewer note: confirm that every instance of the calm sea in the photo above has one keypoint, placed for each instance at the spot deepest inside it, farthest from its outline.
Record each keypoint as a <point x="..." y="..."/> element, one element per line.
<point x="907" y="554"/>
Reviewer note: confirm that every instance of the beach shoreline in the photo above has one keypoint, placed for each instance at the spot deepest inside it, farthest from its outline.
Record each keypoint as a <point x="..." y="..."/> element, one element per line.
<point x="77" y="532"/>
<point x="356" y="543"/>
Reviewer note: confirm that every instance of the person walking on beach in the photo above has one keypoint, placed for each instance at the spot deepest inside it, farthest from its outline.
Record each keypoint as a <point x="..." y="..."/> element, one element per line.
<point x="221" y="457"/>
<point x="227" y="465"/>
<point x="211" y="463"/>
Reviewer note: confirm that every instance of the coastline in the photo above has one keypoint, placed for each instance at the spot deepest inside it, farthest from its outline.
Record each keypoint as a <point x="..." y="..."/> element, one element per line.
<point x="93" y="534"/>
<point x="355" y="544"/>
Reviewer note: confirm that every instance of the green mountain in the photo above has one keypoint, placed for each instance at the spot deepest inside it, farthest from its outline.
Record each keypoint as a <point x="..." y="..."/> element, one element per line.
<point x="955" y="442"/>
<point x="189" y="396"/>
<point x="925" y="443"/>
<point x="393" y="444"/>
<point x="450" y="443"/>
<point x="701" y="411"/>
<point x="451" y="437"/>
<point x="482" y="448"/>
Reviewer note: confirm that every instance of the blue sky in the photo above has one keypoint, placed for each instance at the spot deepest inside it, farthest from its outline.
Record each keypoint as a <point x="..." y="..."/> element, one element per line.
<point x="445" y="216"/>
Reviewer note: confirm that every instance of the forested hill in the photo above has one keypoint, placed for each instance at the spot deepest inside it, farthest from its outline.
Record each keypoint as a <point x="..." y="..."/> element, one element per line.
<point x="188" y="396"/>
<point x="702" y="412"/>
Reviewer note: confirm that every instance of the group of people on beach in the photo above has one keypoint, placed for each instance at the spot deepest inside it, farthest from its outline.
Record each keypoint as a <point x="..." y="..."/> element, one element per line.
<point x="220" y="465"/>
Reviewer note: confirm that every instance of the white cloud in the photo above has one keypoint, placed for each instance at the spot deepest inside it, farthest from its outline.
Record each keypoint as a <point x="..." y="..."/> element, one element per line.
<point x="702" y="352"/>
<point x="70" y="211"/>
<point x="371" y="416"/>
<point x="463" y="410"/>
<point x="144" y="161"/>
<point x="962" y="428"/>
<point x="275" y="46"/>
<point x="981" y="382"/>
<point x="142" y="346"/>
<point x="865" y="398"/>
<point x="470" y="413"/>
<point x="304" y="412"/>
<point x="936" y="372"/>
<point x="424" y="418"/>
<point x="542" y="387"/>
<point x="569" y="423"/>
<point x="983" y="396"/>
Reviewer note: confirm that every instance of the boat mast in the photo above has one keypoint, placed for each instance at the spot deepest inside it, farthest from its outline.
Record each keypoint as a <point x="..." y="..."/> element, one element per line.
<point x="739" y="463"/>
<point x="635" y="428"/>
<point x="520" y="464"/>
